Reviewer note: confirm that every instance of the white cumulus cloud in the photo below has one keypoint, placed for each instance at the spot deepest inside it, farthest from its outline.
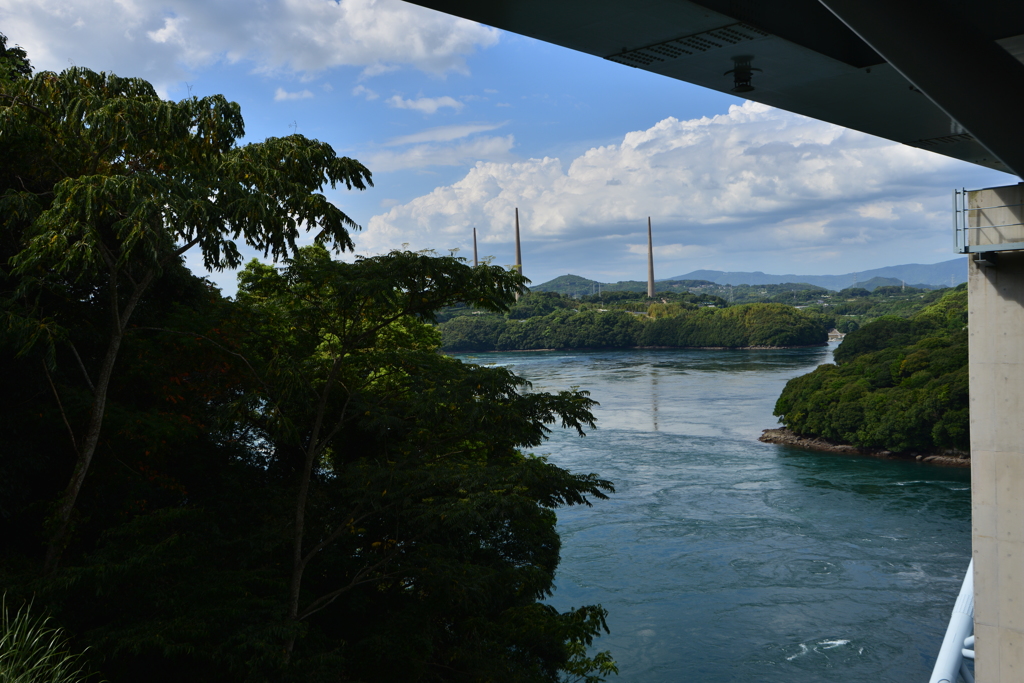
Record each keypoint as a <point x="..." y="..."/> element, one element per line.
<point x="755" y="181"/>
<point x="281" y="95"/>
<point x="363" y="91"/>
<point x="427" y="105"/>
<point x="161" y="40"/>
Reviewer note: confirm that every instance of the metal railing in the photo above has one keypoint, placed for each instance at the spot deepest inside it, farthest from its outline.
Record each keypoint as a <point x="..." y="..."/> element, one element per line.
<point x="960" y="221"/>
<point x="963" y="214"/>
<point x="958" y="644"/>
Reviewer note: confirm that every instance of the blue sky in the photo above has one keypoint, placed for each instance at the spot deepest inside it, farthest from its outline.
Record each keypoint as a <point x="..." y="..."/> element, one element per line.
<point x="461" y="123"/>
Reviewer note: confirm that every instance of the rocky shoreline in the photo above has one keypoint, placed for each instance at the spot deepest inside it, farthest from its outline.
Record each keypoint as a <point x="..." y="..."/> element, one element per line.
<point x="785" y="437"/>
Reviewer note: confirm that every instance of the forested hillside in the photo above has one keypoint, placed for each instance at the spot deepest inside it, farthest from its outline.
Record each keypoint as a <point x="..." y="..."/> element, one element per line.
<point x="845" y="310"/>
<point x="738" y="326"/>
<point x="577" y="287"/>
<point x="681" y="324"/>
<point x="294" y="485"/>
<point x="898" y="384"/>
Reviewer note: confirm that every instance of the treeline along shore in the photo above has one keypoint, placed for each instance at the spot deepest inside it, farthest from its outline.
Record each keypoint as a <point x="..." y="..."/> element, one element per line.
<point x="898" y="388"/>
<point x="552" y="321"/>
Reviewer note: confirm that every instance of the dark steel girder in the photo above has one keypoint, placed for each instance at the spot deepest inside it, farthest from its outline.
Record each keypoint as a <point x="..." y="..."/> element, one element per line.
<point x="976" y="82"/>
<point x="941" y="75"/>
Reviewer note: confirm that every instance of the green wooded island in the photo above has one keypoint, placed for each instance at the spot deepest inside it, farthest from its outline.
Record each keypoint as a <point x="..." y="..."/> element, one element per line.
<point x="662" y="325"/>
<point x="759" y="316"/>
<point x="898" y="384"/>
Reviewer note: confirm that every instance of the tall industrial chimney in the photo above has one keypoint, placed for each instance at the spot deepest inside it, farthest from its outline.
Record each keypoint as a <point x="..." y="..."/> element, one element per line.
<point x="476" y="261"/>
<point x="650" y="261"/>
<point x="519" y="251"/>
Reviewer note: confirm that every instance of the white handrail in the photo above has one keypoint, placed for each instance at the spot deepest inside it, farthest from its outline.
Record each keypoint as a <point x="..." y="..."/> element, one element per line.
<point x="968" y="650"/>
<point x="961" y="625"/>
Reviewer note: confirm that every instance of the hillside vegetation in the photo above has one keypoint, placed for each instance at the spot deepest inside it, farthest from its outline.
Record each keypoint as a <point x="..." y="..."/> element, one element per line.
<point x="898" y="384"/>
<point x="738" y="326"/>
<point x="576" y="286"/>
<point x="629" y="323"/>
<point x="846" y="310"/>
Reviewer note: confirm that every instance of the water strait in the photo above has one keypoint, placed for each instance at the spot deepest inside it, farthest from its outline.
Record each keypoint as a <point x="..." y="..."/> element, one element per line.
<point x="721" y="558"/>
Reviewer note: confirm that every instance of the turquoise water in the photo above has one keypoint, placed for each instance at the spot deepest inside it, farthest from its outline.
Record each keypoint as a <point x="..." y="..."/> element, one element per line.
<point x="724" y="559"/>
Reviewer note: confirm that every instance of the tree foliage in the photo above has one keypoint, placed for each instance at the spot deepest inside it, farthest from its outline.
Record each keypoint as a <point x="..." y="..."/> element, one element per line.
<point x="898" y="384"/>
<point x="737" y="326"/>
<point x="107" y="184"/>
<point x="566" y="329"/>
<point x="14" y="62"/>
<point x="679" y="324"/>
<point x="291" y="485"/>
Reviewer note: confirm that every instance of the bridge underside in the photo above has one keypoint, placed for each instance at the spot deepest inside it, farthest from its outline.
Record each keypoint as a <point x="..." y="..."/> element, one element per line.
<point x="941" y="75"/>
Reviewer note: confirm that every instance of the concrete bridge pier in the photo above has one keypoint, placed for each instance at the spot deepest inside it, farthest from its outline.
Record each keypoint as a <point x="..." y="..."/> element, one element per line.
<point x="996" y="329"/>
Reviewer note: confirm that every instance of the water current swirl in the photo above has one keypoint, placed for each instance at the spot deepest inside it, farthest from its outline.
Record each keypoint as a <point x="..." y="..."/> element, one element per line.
<point x="724" y="559"/>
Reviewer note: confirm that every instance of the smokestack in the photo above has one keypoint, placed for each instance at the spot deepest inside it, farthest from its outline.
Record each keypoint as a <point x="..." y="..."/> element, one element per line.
<point x="476" y="261"/>
<point x="650" y="261"/>
<point x="519" y="251"/>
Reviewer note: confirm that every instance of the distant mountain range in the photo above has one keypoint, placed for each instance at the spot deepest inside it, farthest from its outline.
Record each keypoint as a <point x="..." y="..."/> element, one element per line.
<point x="945" y="274"/>
<point x="935" y="275"/>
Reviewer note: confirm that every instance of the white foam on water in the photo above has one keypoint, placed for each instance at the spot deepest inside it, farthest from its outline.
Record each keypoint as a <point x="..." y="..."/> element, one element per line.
<point x="803" y="651"/>
<point x="916" y="571"/>
<point x="829" y="644"/>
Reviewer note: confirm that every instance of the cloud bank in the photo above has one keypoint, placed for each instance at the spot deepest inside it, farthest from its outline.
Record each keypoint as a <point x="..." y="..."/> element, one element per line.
<point x="444" y="133"/>
<point x="458" y="154"/>
<point x="162" y="40"/>
<point x="754" y="181"/>
<point x="426" y="105"/>
<point x="283" y="95"/>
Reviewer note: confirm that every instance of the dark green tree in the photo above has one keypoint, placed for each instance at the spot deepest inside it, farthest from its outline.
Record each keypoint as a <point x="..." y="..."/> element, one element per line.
<point x="294" y="485"/>
<point x="345" y="358"/>
<point x="14" y="62"/>
<point x="106" y="183"/>
<point x="325" y="338"/>
<point x="360" y="506"/>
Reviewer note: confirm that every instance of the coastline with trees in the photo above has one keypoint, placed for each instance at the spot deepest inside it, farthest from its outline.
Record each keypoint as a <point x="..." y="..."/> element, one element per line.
<point x="552" y="322"/>
<point x="695" y="314"/>
<point x="898" y="388"/>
